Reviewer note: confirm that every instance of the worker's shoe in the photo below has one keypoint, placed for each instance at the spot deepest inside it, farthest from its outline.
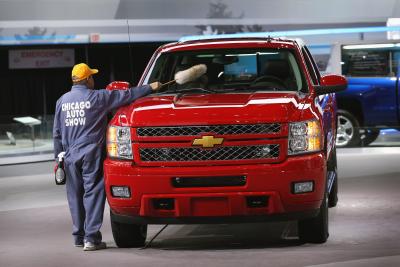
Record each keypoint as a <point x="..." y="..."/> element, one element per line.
<point x="89" y="246"/>
<point x="78" y="243"/>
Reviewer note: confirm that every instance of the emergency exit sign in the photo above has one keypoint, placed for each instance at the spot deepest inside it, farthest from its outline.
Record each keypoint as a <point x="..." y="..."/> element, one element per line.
<point x="41" y="58"/>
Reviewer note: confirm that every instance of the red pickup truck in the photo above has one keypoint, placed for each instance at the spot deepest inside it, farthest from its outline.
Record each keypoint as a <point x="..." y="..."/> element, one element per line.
<point x="253" y="139"/>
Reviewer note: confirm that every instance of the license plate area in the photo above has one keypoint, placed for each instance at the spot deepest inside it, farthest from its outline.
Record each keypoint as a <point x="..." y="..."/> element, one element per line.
<point x="215" y="206"/>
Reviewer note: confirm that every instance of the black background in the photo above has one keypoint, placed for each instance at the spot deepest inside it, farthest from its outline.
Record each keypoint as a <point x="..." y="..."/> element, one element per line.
<point x="22" y="91"/>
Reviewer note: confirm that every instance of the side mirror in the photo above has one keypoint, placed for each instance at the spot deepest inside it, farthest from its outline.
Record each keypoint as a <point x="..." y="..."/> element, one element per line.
<point x="331" y="84"/>
<point x="118" y="85"/>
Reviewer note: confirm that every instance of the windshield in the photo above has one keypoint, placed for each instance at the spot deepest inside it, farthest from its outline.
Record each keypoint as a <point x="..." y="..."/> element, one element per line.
<point x="231" y="69"/>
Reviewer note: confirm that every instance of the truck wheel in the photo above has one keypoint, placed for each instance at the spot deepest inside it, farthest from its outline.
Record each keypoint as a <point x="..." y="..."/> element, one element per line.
<point x="348" y="133"/>
<point x="128" y="235"/>
<point x="315" y="230"/>
<point x="333" y="195"/>
<point x="332" y="167"/>
<point x="369" y="136"/>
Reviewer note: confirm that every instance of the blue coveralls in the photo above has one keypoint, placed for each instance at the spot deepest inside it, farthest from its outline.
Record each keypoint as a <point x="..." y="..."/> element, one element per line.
<point x="79" y="129"/>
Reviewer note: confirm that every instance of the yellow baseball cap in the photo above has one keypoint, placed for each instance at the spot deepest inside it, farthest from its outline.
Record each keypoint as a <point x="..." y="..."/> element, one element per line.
<point x="82" y="71"/>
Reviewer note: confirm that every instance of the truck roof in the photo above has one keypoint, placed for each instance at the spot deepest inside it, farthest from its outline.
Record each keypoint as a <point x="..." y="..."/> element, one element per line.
<point x="230" y="42"/>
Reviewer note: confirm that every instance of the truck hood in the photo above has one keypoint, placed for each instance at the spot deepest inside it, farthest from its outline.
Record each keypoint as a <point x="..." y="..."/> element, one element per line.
<point x="206" y="109"/>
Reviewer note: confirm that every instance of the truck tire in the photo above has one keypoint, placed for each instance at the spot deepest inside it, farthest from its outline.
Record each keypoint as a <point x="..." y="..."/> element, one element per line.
<point x="348" y="133"/>
<point x="128" y="235"/>
<point x="333" y="195"/>
<point x="369" y="136"/>
<point x="332" y="167"/>
<point x="315" y="230"/>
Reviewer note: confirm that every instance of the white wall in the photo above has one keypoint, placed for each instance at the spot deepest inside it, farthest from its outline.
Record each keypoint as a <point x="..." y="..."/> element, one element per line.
<point x="276" y="11"/>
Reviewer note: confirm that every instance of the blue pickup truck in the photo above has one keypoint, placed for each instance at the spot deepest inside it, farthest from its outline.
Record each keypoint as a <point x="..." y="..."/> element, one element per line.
<point x="371" y="101"/>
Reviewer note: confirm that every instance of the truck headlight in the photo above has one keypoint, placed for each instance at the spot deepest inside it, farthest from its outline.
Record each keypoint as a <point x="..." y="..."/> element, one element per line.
<point x="119" y="144"/>
<point x="304" y="137"/>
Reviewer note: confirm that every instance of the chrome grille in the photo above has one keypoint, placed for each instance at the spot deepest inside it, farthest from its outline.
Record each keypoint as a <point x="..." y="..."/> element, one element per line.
<point x="175" y="154"/>
<point x="216" y="129"/>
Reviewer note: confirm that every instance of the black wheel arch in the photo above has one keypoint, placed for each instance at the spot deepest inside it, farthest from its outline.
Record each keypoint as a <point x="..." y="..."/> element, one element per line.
<point x="353" y="106"/>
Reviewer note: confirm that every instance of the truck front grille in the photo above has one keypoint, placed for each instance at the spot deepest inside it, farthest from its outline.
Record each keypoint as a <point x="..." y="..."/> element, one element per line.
<point x="215" y="129"/>
<point x="174" y="154"/>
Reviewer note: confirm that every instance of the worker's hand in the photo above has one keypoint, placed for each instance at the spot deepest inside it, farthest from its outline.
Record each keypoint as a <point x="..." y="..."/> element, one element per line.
<point x="155" y="86"/>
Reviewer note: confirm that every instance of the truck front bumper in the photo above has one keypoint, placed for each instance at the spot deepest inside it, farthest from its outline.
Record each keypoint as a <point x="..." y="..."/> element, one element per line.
<point x="270" y="185"/>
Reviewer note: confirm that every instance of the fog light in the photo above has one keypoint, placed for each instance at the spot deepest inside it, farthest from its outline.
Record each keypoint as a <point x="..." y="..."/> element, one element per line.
<point x="120" y="191"/>
<point x="303" y="187"/>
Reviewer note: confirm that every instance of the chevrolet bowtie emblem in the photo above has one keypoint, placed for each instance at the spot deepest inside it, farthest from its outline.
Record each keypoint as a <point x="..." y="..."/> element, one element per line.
<point x="207" y="141"/>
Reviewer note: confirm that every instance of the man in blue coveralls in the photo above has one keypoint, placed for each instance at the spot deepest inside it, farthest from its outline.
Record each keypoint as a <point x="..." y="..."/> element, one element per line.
<point x="79" y="129"/>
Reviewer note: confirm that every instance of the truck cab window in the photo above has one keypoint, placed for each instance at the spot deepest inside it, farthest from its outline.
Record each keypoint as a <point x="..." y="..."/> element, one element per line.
<point x="370" y="62"/>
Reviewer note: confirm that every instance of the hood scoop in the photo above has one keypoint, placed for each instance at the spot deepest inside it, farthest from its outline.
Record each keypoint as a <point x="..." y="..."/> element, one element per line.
<point x="190" y="100"/>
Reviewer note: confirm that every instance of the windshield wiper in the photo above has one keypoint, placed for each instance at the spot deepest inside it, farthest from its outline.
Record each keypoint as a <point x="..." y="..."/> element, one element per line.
<point x="239" y="89"/>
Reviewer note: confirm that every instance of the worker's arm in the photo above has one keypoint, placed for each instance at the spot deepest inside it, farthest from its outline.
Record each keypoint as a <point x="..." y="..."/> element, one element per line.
<point x="117" y="98"/>
<point x="57" y="132"/>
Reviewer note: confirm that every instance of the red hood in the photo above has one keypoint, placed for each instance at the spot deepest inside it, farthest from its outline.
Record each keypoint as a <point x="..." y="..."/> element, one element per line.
<point x="204" y="109"/>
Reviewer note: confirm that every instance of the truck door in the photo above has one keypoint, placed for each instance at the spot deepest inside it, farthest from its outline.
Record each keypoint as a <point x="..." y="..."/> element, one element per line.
<point x="372" y="95"/>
